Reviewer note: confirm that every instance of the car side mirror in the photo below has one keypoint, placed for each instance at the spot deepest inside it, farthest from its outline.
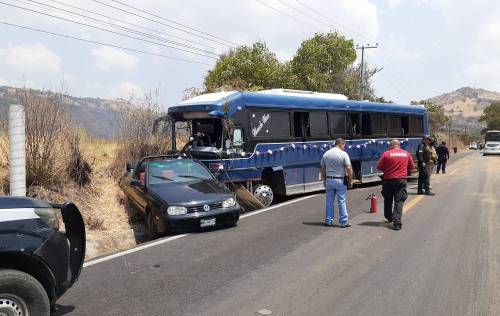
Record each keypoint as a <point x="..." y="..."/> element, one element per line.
<point x="128" y="166"/>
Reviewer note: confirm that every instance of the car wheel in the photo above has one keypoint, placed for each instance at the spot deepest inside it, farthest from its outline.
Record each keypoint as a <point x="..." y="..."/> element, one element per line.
<point x="264" y="194"/>
<point x="21" y="294"/>
<point x="151" y="226"/>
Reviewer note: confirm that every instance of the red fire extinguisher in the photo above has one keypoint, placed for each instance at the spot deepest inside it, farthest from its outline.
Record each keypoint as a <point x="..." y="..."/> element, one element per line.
<point x="373" y="202"/>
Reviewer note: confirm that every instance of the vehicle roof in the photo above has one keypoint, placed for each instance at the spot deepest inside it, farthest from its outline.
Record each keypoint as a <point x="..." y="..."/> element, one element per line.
<point x="165" y="157"/>
<point x="235" y="100"/>
<point x="21" y="202"/>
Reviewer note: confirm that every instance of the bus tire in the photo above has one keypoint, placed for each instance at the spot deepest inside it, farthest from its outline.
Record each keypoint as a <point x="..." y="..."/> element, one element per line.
<point x="22" y="294"/>
<point x="264" y="194"/>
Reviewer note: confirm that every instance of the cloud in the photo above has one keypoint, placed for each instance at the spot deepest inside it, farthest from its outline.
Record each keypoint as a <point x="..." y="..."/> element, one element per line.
<point x="32" y="58"/>
<point x="393" y="3"/>
<point x="126" y="90"/>
<point x="107" y="58"/>
<point x="485" y="73"/>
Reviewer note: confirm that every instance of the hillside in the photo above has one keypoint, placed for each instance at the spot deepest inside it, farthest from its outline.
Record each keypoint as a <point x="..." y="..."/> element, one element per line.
<point x="471" y="101"/>
<point x="99" y="117"/>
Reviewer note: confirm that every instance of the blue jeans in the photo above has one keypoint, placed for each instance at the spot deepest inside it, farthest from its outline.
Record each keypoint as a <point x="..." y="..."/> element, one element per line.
<point x="335" y="187"/>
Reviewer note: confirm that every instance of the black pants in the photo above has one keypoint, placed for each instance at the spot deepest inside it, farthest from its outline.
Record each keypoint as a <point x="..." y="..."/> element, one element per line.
<point x="424" y="178"/>
<point x="394" y="191"/>
<point x="441" y="164"/>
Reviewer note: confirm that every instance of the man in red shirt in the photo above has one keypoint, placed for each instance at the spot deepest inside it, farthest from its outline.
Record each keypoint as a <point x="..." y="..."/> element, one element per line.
<point x="396" y="164"/>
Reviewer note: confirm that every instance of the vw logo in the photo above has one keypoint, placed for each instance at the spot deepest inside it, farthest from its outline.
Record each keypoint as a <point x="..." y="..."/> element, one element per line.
<point x="206" y="207"/>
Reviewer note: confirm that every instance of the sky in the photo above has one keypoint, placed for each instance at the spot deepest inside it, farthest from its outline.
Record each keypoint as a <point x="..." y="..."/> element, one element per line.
<point x="425" y="47"/>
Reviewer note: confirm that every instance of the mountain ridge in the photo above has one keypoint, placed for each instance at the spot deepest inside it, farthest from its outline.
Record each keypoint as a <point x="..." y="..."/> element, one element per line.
<point x="467" y="102"/>
<point x="100" y="118"/>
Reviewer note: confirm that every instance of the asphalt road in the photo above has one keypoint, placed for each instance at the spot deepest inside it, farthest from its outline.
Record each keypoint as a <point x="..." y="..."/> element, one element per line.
<point x="445" y="261"/>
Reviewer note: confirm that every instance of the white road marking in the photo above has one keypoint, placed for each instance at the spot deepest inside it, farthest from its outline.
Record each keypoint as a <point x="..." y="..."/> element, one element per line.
<point x="169" y="239"/>
<point x="277" y="205"/>
<point x="135" y="249"/>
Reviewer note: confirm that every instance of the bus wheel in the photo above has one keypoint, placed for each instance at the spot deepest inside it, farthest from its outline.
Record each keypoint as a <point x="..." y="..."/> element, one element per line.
<point x="264" y="194"/>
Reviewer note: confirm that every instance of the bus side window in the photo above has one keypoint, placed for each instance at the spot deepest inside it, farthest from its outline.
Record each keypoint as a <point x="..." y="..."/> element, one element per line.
<point x="405" y="125"/>
<point x="338" y="124"/>
<point x="367" y="124"/>
<point x="270" y="124"/>
<point x="354" y="125"/>
<point x="318" y="124"/>
<point x="378" y="124"/>
<point x="416" y="126"/>
<point x="394" y="128"/>
<point x="301" y="124"/>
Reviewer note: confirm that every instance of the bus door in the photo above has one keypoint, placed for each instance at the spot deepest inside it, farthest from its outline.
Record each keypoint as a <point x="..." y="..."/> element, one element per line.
<point x="295" y="170"/>
<point x="317" y="131"/>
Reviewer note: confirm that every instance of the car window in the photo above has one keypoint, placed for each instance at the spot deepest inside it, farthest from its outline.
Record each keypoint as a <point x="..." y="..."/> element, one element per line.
<point x="179" y="170"/>
<point x="141" y="167"/>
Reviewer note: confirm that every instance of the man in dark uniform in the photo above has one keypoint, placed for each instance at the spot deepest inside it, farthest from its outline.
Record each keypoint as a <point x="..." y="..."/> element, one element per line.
<point x="396" y="163"/>
<point x="443" y="156"/>
<point x="424" y="161"/>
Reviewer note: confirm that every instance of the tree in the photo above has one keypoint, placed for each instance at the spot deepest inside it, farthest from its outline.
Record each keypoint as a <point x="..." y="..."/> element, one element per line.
<point x="491" y="115"/>
<point x="437" y="118"/>
<point x="321" y="62"/>
<point x="246" y="68"/>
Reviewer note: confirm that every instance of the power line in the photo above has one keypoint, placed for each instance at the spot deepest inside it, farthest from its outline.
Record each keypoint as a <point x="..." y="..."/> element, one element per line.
<point x="393" y="82"/>
<point x="126" y="29"/>
<point x="164" y="24"/>
<point x="174" y="22"/>
<point x="408" y="86"/>
<point x="398" y="81"/>
<point x="333" y="21"/>
<point x="403" y="81"/>
<point x="103" y="44"/>
<point x="134" y="25"/>
<point x="304" y="13"/>
<point x="287" y="14"/>
<point x="106" y="30"/>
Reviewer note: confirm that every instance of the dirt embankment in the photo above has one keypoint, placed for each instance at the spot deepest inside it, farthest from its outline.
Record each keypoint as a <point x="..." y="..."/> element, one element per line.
<point x="102" y="202"/>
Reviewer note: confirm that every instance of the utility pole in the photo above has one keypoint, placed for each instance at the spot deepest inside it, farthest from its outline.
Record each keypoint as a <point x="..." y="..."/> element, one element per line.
<point x="450" y="118"/>
<point x="362" y="84"/>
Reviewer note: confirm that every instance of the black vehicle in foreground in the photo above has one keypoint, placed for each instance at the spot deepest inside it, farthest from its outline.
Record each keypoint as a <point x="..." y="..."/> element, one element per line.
<point x="38" y="262"/>
<point x="175" y="193"/>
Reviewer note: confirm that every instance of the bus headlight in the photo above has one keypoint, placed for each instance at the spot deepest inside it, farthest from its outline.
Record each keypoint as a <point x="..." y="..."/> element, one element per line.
<point x="176" y="210"/>
<point x="229" y="203"/>
<point x="48" y="215"/>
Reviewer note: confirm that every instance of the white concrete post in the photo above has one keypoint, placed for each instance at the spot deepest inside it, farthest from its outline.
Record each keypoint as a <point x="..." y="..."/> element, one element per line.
<point x="17" y="150"/>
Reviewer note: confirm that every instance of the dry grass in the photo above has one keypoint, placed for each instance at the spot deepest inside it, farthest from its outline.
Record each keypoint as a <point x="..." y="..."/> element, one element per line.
<point x="137" y="136"/>
<point x="101" y="202"/>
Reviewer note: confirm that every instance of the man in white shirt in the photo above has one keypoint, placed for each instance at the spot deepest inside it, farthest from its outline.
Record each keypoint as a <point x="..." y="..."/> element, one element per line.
<point x="335" y="166"/>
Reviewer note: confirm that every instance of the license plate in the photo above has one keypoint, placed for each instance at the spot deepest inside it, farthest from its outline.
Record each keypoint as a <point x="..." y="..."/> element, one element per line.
<point x="207" y="222"/>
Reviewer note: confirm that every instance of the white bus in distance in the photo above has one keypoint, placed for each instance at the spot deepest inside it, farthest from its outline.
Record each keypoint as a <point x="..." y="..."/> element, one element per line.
<point x="492" y="143"/>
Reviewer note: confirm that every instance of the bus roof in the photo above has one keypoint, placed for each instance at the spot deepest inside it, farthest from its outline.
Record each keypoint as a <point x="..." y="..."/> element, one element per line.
<point x="232" y="101"/>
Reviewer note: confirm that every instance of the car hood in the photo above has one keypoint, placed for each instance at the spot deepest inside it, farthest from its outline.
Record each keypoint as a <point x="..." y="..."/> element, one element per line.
<point x="191" y="193"/>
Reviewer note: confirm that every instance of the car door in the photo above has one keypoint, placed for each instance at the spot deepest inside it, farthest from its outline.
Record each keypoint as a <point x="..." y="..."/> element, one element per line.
<point x="137" y="189"/>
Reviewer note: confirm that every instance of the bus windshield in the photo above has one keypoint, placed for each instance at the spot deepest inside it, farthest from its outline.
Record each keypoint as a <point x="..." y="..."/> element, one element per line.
<point x="493" y="136"/>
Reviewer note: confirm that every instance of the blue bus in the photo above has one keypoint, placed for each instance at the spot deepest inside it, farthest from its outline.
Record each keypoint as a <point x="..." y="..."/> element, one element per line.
<point x="272" y="141"/>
